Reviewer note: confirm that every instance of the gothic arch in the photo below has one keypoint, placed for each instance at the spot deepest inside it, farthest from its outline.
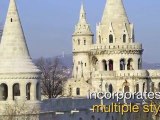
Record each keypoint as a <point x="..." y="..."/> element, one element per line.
<point x="3" y="92"/>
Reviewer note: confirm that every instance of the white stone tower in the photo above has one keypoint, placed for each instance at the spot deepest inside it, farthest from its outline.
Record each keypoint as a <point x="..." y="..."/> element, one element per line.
<point x="117" y="33"/>
<point x="19" y="77"/>
<point x="114" y="62"/>
<point x="82" y="38"/>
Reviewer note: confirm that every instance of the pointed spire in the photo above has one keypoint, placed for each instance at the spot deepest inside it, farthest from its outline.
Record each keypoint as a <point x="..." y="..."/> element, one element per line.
<point x="13" y="48"/>
<point x="82" y="17"/>
<point x="115" y="14"/>
<point x="114" y="10"/>
<point x="82" y="27"/>
<point x="13" y="41"/>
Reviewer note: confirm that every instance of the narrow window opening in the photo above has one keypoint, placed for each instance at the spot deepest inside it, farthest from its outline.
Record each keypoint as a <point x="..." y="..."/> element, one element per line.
<point x="110" y="38"/>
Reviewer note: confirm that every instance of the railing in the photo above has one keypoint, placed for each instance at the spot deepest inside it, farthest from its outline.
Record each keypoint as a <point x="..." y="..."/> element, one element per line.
<point x="124" y="73"/>
<point x="131" y="46"/>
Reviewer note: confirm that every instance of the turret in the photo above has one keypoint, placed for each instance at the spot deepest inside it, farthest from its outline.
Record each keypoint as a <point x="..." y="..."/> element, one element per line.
<point x="82" y="40"/>
<point x="19" y="77"/>
<point x="115" y="33"/>
<point x="115" y="26"/>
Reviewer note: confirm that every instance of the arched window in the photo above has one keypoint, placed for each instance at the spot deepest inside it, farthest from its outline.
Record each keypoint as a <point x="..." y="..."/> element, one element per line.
<point x="110" y="88"/>
<point x="79" y="42"/>
<point x="152" y="87"/>
<point x="110" y="65"/>
<point x="122" y="64"/>
<point x="16" y="90"/>
<point x="124" y="38"/>
<point x="144" y="87"/>
<point x="84" y="42"/>
<point x="3" y="92"/>
<point x="92" y="117"/>
<point x="104" y="65"/>
<point x="28" y="91"/>
<point x="110" y="38"/>
<point x="137" y="88"/>
<point x="126" y="89"/>
<point x="38" y="91"/>
<point x="70" y="90"/>
<point x="130" y="64"/>
<point x="78" y="91"/>
<point x="11" y="20"/>
<point x="95" y="63"/>
<point x="99" y="39"/>
<point x="139" y="63"/>
<point x="106" y="87"/>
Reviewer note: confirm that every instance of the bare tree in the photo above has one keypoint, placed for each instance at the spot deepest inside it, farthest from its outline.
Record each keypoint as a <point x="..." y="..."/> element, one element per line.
<point x="20" y="111"/>
<point x="54" y="74"/>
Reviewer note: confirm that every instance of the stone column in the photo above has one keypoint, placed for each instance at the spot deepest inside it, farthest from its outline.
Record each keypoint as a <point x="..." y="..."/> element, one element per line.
<point x="10" y="92"/>
<point x="141" y="87"/>
<point x="23" y="91"/>
<point x="101" y="67"/>
<point x="33" y="91"/>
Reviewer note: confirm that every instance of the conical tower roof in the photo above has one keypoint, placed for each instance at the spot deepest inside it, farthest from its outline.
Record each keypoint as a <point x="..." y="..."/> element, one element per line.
<point x="114" y="11"/>
<point x="82" y="27"/>
<point x="14" y="54"/>
<point x="115" y="19"/>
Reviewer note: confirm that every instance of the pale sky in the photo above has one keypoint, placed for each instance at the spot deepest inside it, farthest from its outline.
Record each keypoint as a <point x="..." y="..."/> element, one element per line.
<point x="49" y="24"/>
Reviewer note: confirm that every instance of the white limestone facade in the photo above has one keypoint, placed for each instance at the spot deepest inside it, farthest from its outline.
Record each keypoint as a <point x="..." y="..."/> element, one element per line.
<point x="19" y="77"/>
<point x="112" y="63"/>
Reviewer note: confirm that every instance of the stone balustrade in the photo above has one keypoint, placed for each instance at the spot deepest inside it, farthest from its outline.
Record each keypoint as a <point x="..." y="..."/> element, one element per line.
<point x="131" y="46"/>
